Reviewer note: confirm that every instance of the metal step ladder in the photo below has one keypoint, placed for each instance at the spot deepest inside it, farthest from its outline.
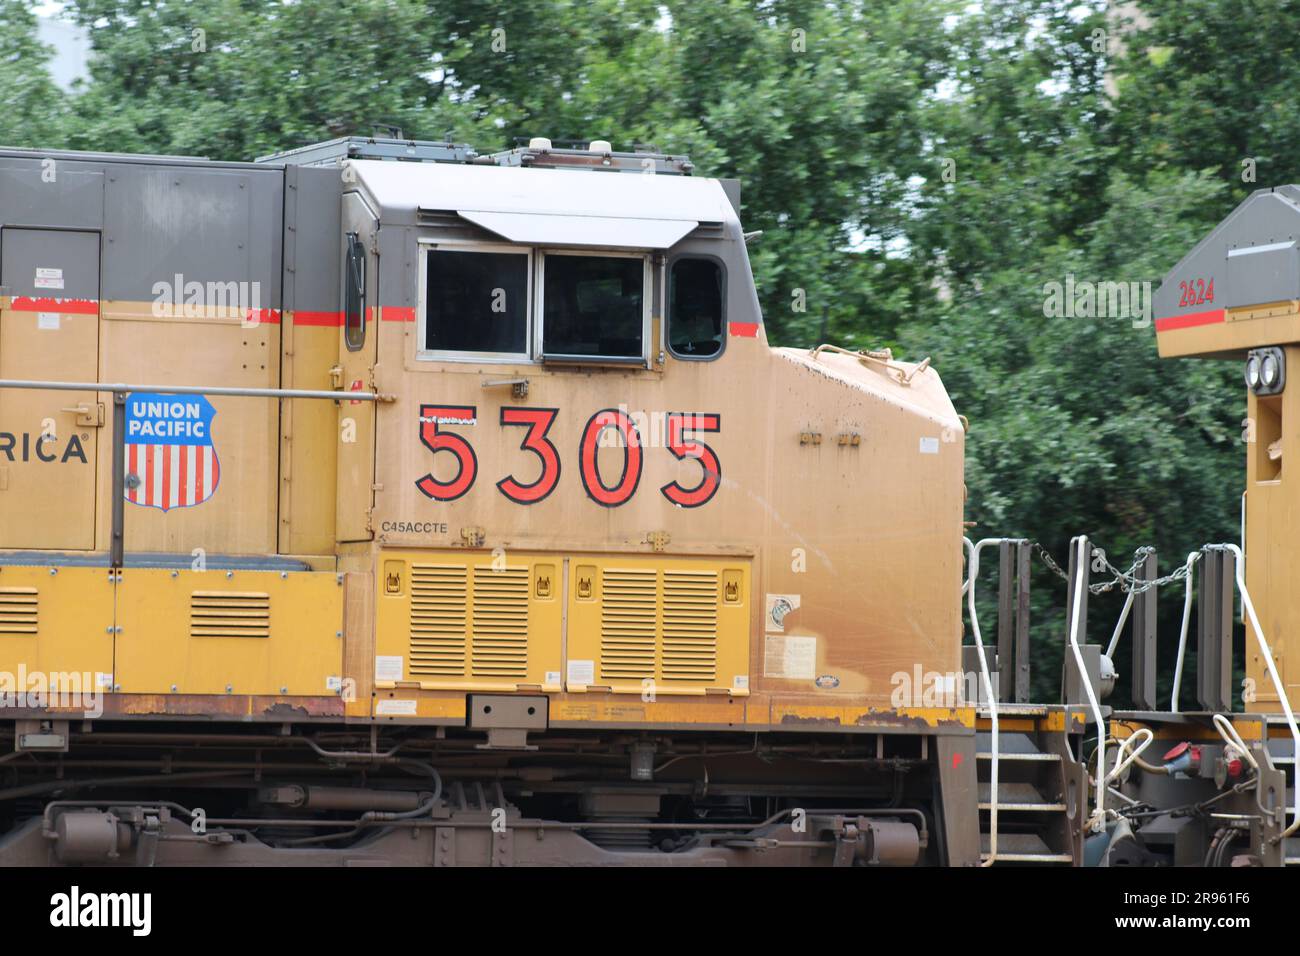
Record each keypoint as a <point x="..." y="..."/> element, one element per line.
<point x="1034" y="825"/>
<point x="1281" y="751"/>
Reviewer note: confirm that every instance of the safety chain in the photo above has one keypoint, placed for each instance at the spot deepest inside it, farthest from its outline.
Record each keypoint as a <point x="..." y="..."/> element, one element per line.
<point x="1128" y="581"/>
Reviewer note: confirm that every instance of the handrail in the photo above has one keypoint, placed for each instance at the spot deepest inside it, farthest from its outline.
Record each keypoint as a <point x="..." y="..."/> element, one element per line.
<point x="904" y="377"/>
<point x="972" y="572"/>
<point x="1192" y="558"/>
<point x="1081" y="563"/>
<point x="122" y="389"/>
<point x="1249" y="607"/>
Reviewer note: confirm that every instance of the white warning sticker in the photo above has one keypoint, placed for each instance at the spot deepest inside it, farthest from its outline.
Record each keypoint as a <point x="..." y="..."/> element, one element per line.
<point x="49" y="278"/>
<point x="47" y="320"/>
<point x="388" y="668"/>
<point x="793" y="658"/>
<point x="552" y="677"/>
<point x="582" y="673"/>
<point x="395" y="708"/>
<point x="929" y="446"/>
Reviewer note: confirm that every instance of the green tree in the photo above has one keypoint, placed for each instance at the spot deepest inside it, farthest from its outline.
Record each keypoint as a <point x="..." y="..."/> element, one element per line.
<point x="32" y="107"/>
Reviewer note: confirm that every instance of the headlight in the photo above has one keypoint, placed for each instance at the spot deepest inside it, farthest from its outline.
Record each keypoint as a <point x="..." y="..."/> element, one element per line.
<point x="1266" y="371"/>
<point x="1269" y="370"/>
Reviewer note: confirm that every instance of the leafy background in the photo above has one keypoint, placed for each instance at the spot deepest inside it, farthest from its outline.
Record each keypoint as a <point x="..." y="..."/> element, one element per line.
<point x="1105" y="158"/>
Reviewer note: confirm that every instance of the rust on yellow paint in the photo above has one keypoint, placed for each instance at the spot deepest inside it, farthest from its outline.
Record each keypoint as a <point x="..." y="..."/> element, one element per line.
<point x="263" y="707"/>
<point x="794" y="713"/>
<point x="619" y="710"/>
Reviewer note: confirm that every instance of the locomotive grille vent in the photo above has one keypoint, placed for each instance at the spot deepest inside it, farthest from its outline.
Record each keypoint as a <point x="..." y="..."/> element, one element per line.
<point x="628" y="615"/>
<point x="690" y="633"/>
<point x="455" y="626"/>
<point x="437" y="620"/>
<point x="500" y="624"/>
<point x="230" y="614"/>
<point x="664" y="629"/>
<point x="18" y="611"/>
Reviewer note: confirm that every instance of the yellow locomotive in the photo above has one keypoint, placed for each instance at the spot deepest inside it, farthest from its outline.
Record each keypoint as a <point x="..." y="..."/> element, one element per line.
<point x="381" y="488"/>
<point x="384" y="502"/>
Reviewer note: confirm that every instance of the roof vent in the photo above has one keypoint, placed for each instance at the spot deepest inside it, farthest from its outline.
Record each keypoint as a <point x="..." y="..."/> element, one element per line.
<point x="539" y="142"/>
<point x="599" y="146"/>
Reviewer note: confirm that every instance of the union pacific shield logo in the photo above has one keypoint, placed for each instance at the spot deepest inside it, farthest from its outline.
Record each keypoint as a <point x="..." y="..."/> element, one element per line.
<point x="170" y="459"/>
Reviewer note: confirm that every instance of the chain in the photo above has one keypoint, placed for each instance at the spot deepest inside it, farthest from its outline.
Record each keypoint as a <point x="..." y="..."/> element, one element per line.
<point x="1128" y="581"/>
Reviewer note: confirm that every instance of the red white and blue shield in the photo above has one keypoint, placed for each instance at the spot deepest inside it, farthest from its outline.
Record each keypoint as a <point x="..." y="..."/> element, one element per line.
<point x="170" y="459"/>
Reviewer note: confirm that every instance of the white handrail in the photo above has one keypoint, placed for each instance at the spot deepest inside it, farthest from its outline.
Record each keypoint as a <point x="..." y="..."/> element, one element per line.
<point x="972" y="572"/>
<point x="1080" y="565"/>
<point x="1249" y="606"/>
<point x="1192" y="558"/>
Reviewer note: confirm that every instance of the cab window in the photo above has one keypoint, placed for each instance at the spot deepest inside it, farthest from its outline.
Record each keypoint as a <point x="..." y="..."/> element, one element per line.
<point x="593" y="307"/>
<point x="695" y="308"/>
<point x="476" y="302"/>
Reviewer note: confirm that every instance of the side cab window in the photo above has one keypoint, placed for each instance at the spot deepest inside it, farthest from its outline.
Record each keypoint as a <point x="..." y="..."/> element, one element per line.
<point x="697" y="302"/>
<point x="354" y="293"/>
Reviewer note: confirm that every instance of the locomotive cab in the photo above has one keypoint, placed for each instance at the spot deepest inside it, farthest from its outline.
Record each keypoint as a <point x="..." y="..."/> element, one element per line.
<point x="580" y="449"/>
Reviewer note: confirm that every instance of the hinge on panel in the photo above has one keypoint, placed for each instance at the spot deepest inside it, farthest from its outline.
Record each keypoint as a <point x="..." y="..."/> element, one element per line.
<point x="658" y="539"/>
<point x="336" y="376"/>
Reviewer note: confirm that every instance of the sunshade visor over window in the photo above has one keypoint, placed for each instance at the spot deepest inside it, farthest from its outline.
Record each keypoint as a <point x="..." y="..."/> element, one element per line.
<point x="539" y="229"/>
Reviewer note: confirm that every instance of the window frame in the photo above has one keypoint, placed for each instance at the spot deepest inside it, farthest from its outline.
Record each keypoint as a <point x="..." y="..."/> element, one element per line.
<point x="668" y="307"/>
<point x="353" y="242"/>
<point x="647" y="292"/>
<point x="425" y="354"/>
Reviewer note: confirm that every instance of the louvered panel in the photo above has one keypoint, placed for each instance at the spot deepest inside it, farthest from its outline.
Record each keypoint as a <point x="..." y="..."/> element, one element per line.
<point x="628" y="614"/>
<point x="230" y="614"/>
<point x="438" y="620"/>
<point x="499" y="642"/>
<point x="690" y="626"/>
<point x="18" y="611"/>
